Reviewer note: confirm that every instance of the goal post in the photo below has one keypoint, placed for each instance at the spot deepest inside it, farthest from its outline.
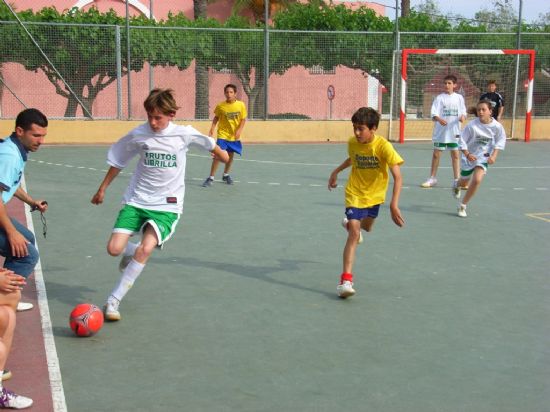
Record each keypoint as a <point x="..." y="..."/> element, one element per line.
<point x="473" y="73"/>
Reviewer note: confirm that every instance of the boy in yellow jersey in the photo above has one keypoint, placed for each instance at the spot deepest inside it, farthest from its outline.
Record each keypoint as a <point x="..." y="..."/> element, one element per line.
<point x="370" y="157"/>
<point x="231" y="115"/>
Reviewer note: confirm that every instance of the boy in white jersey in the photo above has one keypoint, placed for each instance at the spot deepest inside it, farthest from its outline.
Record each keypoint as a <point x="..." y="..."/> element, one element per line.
<point x="230" y="117"/>
<point x="480" y="142"/>
<point x="448" y="111"/>
<point x="153" y="200"/>
<point x="370" y="157"/>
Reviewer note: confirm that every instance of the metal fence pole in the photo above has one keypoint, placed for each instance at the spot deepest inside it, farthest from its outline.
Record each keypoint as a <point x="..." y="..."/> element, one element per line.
<point x="266" y="60"/>
<point x="118" y="58"/>
<point x="393" y="68"/>
<point x="151" y="67"/>
<point x="128" y="64"/>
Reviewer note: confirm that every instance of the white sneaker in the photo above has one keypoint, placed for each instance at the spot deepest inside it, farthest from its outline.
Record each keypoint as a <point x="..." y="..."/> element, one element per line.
<point x="345" y="222"/>
<point x="110" y="310"/>
<point x="24" y="306"/>
<point x="124" y="261"/>
<point x="462" y="211"/>
<point x="456" y="190"/>
<point x="8" y="399"/>
<point x="345" y="289"/>
<point x="431" y="182"/>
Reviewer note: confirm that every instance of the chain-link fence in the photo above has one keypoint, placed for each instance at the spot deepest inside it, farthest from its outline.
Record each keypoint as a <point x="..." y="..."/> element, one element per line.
<point x="87" y="71"/>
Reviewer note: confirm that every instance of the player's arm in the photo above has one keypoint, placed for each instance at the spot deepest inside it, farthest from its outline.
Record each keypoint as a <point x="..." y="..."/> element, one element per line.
<point x="240" y="129"/>
<point x="333" y="178"/>
<point x="394" y="205"/>
<point x="500" y="112"/>
<point x="463" y="112"/>
<point x="436" y="110"/>
<point x="40" y="204"/>
<point x="220" y="154"/>
<point x="17" y="242"/>
<point x="213" y="127"/>
<point x="113" y="172"/>
<point x="465" y="139"/>
<point x="493" y="158"/>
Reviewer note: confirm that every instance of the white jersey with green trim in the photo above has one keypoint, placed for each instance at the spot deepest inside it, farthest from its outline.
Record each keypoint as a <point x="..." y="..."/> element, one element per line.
<point x="448" y="107"/>
<point x="158" y="181"/>
<point x="481" y="139"/>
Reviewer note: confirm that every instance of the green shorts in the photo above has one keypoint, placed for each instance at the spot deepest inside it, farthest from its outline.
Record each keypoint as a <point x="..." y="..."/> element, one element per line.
<point x="445" y="146"/>
<point x="132" y="220"/>
<point x="466" y="173"/>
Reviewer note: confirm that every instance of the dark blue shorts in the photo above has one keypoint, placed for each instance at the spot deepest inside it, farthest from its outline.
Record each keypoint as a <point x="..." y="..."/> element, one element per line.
<point x="361" y="213"/>
<point x="230" y="146"/>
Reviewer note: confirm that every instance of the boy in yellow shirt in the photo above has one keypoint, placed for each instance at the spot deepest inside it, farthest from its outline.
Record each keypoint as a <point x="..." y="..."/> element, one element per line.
<point x="231" y="115"/>
<point x="370" y="157"/>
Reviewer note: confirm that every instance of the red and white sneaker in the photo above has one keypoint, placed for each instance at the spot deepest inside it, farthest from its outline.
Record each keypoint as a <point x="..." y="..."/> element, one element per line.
<point x="345" y="289"/>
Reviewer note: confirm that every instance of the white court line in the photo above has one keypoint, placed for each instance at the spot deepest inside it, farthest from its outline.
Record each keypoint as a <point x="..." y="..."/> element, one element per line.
<point x="56" y="383"/>
<point x="405" y="166"/>
<point x="303" y="164"/>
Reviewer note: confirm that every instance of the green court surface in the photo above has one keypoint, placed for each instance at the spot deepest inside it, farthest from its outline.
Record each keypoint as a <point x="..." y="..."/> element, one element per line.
<point x="239" y="311"/>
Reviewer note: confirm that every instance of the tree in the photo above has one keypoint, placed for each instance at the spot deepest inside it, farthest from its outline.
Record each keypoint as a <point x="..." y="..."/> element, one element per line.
<point x="502" y="17"/>
<point x="543" y="21"/>
<point x="257" y="7"/>
<point x="84" y="55"/>
<point x="429" y="8"/>
<point x="353" y="50"/>
<point x="405" y="7"/>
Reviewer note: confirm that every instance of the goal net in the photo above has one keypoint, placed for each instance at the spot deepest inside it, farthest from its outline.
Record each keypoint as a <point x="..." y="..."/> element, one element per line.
<point x="423" y="71"/>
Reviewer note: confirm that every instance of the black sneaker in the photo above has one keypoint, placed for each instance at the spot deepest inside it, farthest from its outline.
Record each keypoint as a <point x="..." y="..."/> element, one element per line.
<point x="227" y="179"/>
<point x="208" y="182"/>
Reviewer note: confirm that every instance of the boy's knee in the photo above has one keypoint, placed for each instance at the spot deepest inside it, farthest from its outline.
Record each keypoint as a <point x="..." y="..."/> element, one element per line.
<point x="145" y="250"/>
<point x="114" y="250"/>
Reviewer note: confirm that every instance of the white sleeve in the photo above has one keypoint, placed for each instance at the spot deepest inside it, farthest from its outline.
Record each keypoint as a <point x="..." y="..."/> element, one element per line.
<point x="500" y="139"/>
<point x="196" y="138"/>
<point x="462" y="109"/>
<point x="122" y="152"/>
<point x="465" y="137"/>
<point x="436" y="107"/>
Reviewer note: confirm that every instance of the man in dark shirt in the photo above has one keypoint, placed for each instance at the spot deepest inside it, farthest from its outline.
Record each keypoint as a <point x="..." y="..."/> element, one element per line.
<point x="496" y="99"/>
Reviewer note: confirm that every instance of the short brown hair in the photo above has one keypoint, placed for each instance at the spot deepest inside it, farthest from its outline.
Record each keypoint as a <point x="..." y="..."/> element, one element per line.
<point x="366" y="116"/>
<point x="230" y="86"/>
<point x="161" y="100"/>
<point x="451" y="77"/>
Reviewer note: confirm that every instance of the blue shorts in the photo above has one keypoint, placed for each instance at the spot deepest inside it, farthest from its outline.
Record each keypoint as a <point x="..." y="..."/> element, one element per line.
<point x="230" y="146"/>
<point x="355" y="213"/>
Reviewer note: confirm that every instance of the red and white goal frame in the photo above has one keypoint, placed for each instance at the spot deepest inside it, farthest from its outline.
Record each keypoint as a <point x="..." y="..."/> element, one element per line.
<point x="404" y="57"/>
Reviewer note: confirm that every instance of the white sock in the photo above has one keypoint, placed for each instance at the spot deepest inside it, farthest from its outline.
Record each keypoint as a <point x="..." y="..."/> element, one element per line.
<point x="225" y="174"/>
<point x="129" y="276"/>
<point x="1" y="374"/>
<point x="130" y="249"/>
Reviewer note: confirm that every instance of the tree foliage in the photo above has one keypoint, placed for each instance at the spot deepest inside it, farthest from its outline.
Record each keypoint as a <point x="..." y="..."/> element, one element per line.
<point x="82" y="48"/>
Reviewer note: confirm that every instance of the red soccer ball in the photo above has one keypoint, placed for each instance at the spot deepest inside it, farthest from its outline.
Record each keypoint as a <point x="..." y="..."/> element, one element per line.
<point x="86" y="319"/>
